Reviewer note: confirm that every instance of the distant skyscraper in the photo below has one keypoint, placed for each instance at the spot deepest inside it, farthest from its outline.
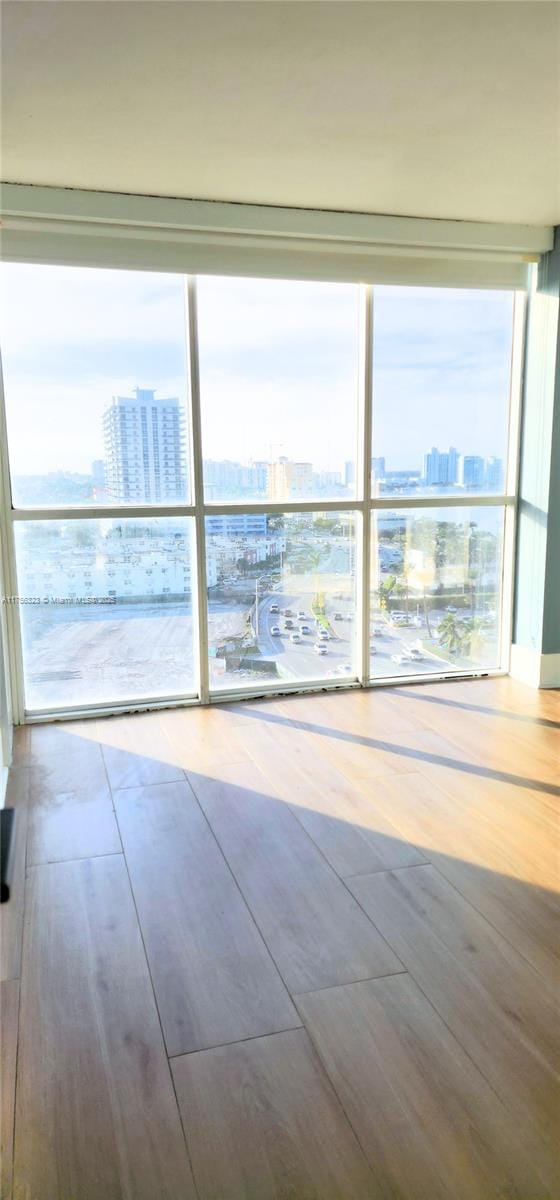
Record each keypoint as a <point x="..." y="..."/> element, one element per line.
<point x="452" y="465"/>
<point x="378" y="468"/>
<point x="258" y="477"/>
<point x="442" y="469"/>
<point x="494" y="475"/>
<point x="431" y="466"/>
<point x="349" y="474"/>
<point x="145" y="456"/>
<point x="473" y="471"/>
<point x="289" y="480"/>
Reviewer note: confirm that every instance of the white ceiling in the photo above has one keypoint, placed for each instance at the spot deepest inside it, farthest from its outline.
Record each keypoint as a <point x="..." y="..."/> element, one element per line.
<point x="424" y="109"/>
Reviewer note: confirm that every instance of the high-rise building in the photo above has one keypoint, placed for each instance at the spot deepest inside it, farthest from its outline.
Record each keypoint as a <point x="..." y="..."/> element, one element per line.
<point x="258" y="477"/>
<point x="289" y="480"/>
<point x="473" y="470"/>
<point x="431" y="466"/>
<point x="452" y="465"/>
<point x="145" y="458"/>
<point x="441" y="469"/>
<point x="378" y="468"/>
<point x="494" y="475"/>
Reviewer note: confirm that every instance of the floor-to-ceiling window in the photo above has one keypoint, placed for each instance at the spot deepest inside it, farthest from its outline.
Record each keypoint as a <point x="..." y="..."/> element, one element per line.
<point x="225" y="485"/>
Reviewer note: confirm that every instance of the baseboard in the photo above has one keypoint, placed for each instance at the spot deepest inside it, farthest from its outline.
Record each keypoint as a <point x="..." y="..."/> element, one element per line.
<point x="535" y="669"/>
<point x="550" y="671"/>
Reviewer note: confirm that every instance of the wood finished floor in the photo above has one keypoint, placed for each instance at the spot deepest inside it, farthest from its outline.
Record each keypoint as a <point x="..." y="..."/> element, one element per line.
<point x="287" y="950"/>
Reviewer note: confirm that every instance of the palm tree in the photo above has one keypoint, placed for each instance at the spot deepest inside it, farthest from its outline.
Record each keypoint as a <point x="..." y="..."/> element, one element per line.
<point x="426" y="613"/>
<point x="474" y="637"/>
<point x="401" y="589"/>
<point x="451" y="635"/>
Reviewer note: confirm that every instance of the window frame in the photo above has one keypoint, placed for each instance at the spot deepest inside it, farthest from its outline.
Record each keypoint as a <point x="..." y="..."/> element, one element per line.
<point x="363" y="505"/>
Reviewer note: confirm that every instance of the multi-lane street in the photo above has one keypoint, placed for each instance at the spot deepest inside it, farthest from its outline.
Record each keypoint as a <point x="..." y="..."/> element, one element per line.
<point x="388" y="641"/>
<point x="300" y="660"/>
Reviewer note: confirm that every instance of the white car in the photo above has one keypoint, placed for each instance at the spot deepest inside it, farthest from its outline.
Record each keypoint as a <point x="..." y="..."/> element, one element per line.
<point x="320" y="648"/>
<point x="295" y="637"/>
<point x="344" y="669"/>
<point x="275" y="630"/>
<point x="323" y="635"/>
<point x="275" y="608"/>
<point x="401" y="659"/>
<point x="301" y="615"/>
<point x="304" y="628"/>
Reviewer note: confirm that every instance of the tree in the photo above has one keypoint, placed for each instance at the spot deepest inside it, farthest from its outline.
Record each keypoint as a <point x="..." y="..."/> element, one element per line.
<point x="451" y="634"/>
<point x="426" y="613"/>
<point x="401" y="589"/>
<point x="462" y="637"/>
<point x="474" y="637"/>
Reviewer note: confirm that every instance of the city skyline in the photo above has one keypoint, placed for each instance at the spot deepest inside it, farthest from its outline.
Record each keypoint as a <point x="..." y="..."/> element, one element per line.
<point x="281" y="371"/>
<point x="469" y="472"/>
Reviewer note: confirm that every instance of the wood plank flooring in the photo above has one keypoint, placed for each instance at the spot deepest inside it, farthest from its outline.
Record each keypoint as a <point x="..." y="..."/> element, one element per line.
<point x="298" y="949"/>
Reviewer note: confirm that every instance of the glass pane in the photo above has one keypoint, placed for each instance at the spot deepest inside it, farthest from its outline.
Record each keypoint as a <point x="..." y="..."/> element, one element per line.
<point x="441" y="378"/>
<point x="279" y="388"/>
<point x="282" y="597"/>
<point x="106" y="609"/>
<point x="435" y="590"/>
<point x="94" y="364"/>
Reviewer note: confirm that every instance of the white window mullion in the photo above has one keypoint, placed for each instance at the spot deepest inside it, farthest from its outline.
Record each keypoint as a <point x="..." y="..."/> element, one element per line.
<point x="200" y="594"/>
<point x="11" y="617"/>
<point x="520" y="316"/>
<point x="364" y="478"/>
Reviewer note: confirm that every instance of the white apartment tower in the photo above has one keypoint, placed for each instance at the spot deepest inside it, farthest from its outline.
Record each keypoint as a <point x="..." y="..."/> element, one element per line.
<point x="145" y="453"/>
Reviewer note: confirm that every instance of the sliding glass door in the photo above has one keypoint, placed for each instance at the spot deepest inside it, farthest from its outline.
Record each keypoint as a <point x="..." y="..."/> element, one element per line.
<point x="229" y="486"/>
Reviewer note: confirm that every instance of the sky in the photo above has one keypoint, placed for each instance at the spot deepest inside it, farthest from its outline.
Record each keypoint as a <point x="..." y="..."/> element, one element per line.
<point x="278" y="365"/>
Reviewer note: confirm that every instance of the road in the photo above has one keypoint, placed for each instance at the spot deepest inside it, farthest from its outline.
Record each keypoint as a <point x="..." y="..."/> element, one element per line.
<point x="300" y="661"/>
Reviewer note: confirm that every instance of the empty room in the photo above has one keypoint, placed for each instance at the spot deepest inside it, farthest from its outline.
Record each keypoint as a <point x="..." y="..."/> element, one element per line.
<point x="280" y="599"/>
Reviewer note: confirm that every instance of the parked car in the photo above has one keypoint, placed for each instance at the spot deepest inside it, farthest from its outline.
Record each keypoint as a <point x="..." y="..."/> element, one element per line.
<point x="275" y="630"/>
<point x="320" y="648"/>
